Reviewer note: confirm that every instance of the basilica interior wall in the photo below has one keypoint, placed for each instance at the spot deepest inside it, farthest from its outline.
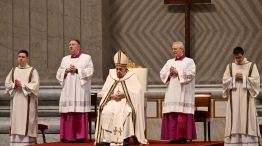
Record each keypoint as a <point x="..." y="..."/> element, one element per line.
<point x="143" y="29"/>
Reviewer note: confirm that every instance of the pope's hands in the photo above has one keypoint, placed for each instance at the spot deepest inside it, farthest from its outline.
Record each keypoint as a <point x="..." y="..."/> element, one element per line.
<point x="117" y="96"/>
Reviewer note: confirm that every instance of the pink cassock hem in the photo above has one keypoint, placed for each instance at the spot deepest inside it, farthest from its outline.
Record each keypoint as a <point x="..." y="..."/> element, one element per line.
<point x="73" y="126"/>
<point x="178" y="126"/>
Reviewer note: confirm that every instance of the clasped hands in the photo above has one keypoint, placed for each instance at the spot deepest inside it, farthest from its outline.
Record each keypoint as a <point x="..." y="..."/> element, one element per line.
<point x="239" y="76"/>
<point x="117" y="96"/>
<point x="173" y="71"/>
<point x="71" y="69"/>
<point x="18" y="84"/>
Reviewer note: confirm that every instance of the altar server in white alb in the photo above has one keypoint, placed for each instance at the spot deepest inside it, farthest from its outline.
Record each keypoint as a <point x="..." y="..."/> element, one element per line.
<point x="121" y="110"/>
<point x="22" y="85"/>
<point x="241" y="85"/>
<point x="74" y="75"/>
<point x="178" y="124"/>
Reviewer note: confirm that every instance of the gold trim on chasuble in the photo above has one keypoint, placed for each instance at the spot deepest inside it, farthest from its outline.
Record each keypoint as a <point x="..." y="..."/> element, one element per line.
<point x="248" y="96"/>
<point x="28" y="99"/>
<point x="98" y="135"/>
<point x="107" y="99"/>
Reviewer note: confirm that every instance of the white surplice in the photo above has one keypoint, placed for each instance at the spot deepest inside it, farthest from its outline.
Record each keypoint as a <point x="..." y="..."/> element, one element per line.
<point x="118" y="120"/>
<point x="241" y="123"/>
<point x="76" y="87"/>
<point x="180" y="92"/>
<point x="24" y="103"/>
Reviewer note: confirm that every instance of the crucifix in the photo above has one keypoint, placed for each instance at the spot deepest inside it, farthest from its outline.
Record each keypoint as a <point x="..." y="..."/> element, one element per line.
<point x="187" y="5"/>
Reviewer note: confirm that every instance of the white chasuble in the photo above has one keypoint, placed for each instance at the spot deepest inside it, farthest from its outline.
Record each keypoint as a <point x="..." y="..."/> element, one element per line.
<point x="241" y="116"/>
<point x="118" y="120"/>
<point x="24" y="101"/>
<point x="115" y="115"/>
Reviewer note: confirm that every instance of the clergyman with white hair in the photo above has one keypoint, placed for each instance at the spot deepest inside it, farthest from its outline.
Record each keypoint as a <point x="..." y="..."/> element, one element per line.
<point x="178" y="124"/>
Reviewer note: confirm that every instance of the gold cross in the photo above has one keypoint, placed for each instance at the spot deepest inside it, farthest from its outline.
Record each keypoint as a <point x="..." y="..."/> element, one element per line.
<point x="120" y="131"/>
<point x="115" y="130"/>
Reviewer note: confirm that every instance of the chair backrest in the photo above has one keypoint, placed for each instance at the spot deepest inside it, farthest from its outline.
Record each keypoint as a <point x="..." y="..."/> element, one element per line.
<point x="203" y="101"/>
<point x="141" y="74"/>
<point x="203" y="111"/>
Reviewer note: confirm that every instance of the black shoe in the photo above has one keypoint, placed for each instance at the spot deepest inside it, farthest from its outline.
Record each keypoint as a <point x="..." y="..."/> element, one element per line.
<point x="68" y="141"/>
<point x="103" y="144"/>
<point x="183" y="141"/>
<point x="136" y="142"/>
<point x="126" y="141"/>
<point x="80" y="140"/>
<point x="174" y="141"/>
<point x="71" y="141"/>
<point x="178" y="141"/>
<point x="64" y="140"/>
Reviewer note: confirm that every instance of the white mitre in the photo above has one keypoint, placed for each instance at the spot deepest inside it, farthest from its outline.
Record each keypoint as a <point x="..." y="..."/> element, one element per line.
<point x="120" y="59"/>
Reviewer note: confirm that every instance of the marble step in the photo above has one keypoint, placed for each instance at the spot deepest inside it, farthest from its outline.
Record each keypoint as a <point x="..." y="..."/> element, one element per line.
<point x="53" y="111"/>
<point x="43" y="111"/>
<point x="53" y="92"/>
<point x="259" y="110"/>
<point x="52" y="122"/>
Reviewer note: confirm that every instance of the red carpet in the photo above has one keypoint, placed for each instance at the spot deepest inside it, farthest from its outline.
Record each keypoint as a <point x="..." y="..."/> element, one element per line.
<point x="151" y="142"/>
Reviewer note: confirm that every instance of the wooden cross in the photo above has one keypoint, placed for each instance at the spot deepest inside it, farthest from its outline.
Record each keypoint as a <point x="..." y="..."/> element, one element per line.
<point x="187" y="4"/>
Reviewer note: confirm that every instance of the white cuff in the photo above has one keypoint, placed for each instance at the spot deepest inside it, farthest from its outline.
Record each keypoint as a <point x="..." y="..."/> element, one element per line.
<point x="24" y="90"/>
<point x="246" y="83"/>
<point x="181" y="76"/>
<point x="167" y="76"/>
<point x="229" y="83"/>
<point x="233" y="82"/>
<point x="11" y="92"/>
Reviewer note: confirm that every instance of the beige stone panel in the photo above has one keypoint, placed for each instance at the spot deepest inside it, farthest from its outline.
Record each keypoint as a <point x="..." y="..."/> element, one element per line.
<point x="6" y="53"/>
<point x="38" y="36"/>
<point x="91" y="34"/>
<point x="72" y="21"/>
<point x="55" y="44"/>
<point x="108" y="50"/>
<point x="20" y="25"/>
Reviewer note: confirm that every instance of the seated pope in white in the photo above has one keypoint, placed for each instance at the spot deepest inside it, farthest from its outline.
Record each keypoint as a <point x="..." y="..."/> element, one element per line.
<point x="121" y="110"/>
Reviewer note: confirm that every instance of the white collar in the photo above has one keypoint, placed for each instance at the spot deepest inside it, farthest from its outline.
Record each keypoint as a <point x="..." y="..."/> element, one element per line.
<point x="23" y="67"/>
<point x="113" y="75"/>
